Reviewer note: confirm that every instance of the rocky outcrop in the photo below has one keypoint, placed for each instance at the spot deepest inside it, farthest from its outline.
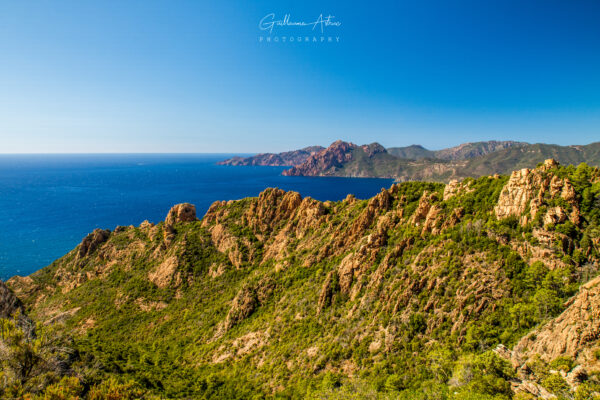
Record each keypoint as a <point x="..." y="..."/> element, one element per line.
<point x="273" y="205"/>
<point x="248" y="299"/>
<point x="166" y="273"/>
<point x="528" y="190"/>
<point x="274" y="219"/>
<point x="554" y="215"/>
<point x="22" y="285"/>
<point x="430" y="216"/>
<point x="184" y="212"/>
<point x="378" y="204"/>
<point x="310" y="213"/>
<point x="452" y="188"/>
<point x="9" y="303"/>
<point x="285" y="159"/>
<point x="573" y="333"/>
<point x="455" y="187"/>
<point x="92" y="241"/>
<point x="228" y="244"/>
<point x="427" y="212"/>
<point x="330" y="287"/>
<point x="346" y="269"/>
<point x="517" y="193"/>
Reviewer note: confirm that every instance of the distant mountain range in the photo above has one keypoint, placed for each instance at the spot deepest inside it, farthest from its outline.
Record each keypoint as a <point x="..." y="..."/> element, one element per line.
<point x="461" y="152"/>
<point x="418" y="163"/>
<point x="288" y="158"/>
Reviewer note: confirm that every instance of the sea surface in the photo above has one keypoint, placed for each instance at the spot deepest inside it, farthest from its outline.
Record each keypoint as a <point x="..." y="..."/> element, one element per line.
<point x="48" y="203"/>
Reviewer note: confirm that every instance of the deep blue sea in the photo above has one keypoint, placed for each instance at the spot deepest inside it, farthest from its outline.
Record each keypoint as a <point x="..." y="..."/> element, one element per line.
<point x="48" y="203"/>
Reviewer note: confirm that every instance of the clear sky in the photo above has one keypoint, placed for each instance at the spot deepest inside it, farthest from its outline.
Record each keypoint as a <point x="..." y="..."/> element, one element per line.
<point x="194" y="76"/>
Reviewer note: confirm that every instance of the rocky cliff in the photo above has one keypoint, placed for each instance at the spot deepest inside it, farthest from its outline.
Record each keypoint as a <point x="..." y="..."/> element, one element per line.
<point x="326" y="161"/>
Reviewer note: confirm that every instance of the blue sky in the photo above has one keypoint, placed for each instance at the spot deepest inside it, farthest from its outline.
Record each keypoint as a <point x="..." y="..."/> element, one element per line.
<point x="193" y="76"/>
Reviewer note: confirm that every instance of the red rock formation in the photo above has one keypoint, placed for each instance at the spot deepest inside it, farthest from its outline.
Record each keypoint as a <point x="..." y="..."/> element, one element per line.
<point x="325" y="161"/>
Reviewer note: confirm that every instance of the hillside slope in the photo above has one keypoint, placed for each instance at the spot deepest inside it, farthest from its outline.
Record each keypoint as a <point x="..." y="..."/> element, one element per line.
<point x="403" y="294"/>
<point x="463" y="151"/>
<point x="413" y="152"/>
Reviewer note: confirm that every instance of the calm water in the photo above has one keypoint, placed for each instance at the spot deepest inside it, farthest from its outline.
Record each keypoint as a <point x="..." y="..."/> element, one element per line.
<point x="48" y="203"/>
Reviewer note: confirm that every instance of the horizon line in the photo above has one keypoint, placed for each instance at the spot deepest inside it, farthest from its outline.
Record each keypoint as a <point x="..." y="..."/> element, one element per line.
<point x="121" y="153"/>
<point x="277" y="152"/>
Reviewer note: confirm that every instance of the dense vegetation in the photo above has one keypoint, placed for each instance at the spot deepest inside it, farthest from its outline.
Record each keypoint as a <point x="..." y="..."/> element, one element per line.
<point x="401" y="296"/>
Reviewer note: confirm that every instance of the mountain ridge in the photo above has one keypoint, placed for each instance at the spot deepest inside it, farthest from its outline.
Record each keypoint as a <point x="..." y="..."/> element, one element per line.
<point x="414" y="162"/>
<point x="460" y="152"/>
<point x="497" y="158"/>
<point x="413" y="152"/>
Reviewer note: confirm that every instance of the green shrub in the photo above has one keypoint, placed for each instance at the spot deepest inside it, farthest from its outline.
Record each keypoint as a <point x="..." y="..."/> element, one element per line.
<point x="556" y="384"/>
<point x="562" y="364"/>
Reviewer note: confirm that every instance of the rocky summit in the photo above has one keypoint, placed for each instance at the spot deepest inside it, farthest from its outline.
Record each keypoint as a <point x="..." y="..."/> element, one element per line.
<point x="480" y="288"/>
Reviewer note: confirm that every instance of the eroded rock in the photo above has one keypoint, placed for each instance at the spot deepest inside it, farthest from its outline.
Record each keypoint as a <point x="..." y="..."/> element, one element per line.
<point x="571" y="333"/>
<point x="91" y="242"/>
<point x="184" y="212"/>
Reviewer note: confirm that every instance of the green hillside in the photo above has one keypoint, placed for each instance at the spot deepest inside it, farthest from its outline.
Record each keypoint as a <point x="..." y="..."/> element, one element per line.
<point x="413" y="152"/>
<point x="400" y="296"/>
